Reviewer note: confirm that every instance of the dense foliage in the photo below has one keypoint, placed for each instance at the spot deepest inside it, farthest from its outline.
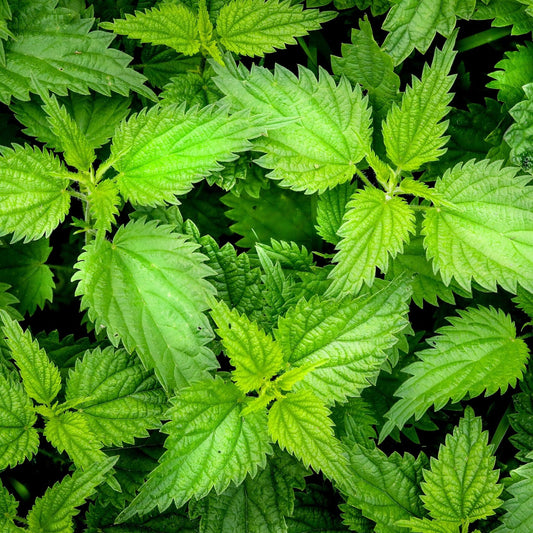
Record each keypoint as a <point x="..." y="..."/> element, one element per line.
<point x="255" y="277"/>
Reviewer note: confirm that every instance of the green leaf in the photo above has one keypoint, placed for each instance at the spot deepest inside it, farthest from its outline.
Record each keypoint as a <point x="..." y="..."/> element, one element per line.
<point x="103" y="202"/>
<point x="374" y="226"/>
<point x="7" y="300"/>
<point x="59" y="49"/>
<point x="505" y="13"/>
<point x="414" y="131"/>
<point x="162" y="152"/>
<point x="350" y="336"/>
<point x="515" y="71"/>
<point x="18" y="439"/>
<point x="488" y="236"/>
<point x="8" y="511"/>
<point x="54" y="511"/>
<point x="257" y="27"/>
<point x="71" y="140"/>
<point x="364" y="62"/>
<point x="330" y="128"/>
<point x="300" y="423"/>
<point x="331" y="207"/>
<point x="254" y="353"/>
<point x="386" y="488"/>
<point x="40" y="376"/>
<point x="518" y="510"/>
<point x="70" y="432"/>
<point x="119" y="399"/>
<point x="414" y="23"/>
<point x="461" y="485"/>
<point x="521" y="419"/>
<point x="209" y="444"/>
<point x="33" y="193"/>
<point x="96" y="116"/>
<point x="520" y="135"/>
<point x="424" y="525"/>
<point x="23" y="267"/>
<point x="478" y="352"/>
<point x="259" y="504"/>
<point x="171" y="24"/>
<point x="160" y="315"/>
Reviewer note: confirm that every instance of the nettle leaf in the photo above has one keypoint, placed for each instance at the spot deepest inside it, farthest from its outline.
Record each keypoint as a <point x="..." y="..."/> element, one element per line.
<point x="96" y="116"/>
<point x="8" y="511"/>
<point x="147" y="289"/>
<point x="300" y="424"/>
<point x="104" y="201"/>
<point x="257" y="27"/>
<point x="520" y="135"/>
<point x="33" y="193"/>
<point x="414" y="131"/>
<point x="18" y="438"/>
<point x="515" y="71"/>
<point x="59" y="49"/>
<point x="162" y="152"/>
<point x="488" y="236"/>
<point x="518" y="510"/>
<point x="331" y="207"/>
<point x="259" y="504"/>
<point x="364" y="62"/>
<point x="23" y="267"/>
<point x="414" y="23"/>
<point x="506" y="13"/>
<point x="119" y="399"/>
<point x="424" y="525"/>
<point x="349" y="336"/>
<point x="40" y="377"/>
<point x="7" y="300"/>
<point x="330" y="129"/>
<point x="254" y="353"/>
<point x="386" y="488"/>
<point x="70" y="432"/>
<point x="374" y="226"/>
<point x="190" y="87"/>
<point x="478" y="352"/>
<point x="54" y="511"/>
<point x="171" y="24"/>
<point x="209" y="445"/>
<point x="521" y="419"/>
<point x="461" y="485"/>
<point x="427" y="285"/>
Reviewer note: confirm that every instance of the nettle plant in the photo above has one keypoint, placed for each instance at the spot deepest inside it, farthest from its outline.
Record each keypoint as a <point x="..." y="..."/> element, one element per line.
<point x="264" y="383"/>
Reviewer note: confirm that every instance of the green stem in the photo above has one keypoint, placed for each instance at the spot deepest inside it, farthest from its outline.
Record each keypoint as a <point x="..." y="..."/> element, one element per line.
<point x="363" y="178"/>
<point x="313" y="63"/>
<point x="501" y="430"/>
<point x="464" y="527"/>
<point x="21" y="520"/>
<point x="481" y="38"/>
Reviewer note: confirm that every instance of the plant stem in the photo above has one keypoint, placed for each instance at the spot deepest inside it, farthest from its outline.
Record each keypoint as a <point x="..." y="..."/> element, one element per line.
<point x="501" y="430"/>
<point x="363" y="178"/>
<point x="312" y="57"/>
<point x="481" y="38"/>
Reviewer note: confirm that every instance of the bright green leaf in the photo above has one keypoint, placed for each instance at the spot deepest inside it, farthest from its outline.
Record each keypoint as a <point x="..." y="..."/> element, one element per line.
<point x="103" y="202"/>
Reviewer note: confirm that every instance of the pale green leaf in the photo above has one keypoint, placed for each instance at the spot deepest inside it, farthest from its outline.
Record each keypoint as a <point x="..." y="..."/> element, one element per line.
<point x="506" y="13"/>
<point x="414" y="131"/>
<point x="364" y="62"/>
<point x="519" y="509"/>
<point x="414" y="23"/>
<point x="515" y="71"/>
<point x="70" y="432"/>
<point x="478" y="352"/>
<point x="18" y="439"/>
<point x="8" y="511"/>
<point x="257" y="27"/>
<point x="147" y="289"/>
<point x="162" y="152"/>
<point x="420" y="190"/>
<point x="33" y="193"/>
<point x="23" y="267"/>
<point x="71" y="140"/>
<point x="53" y="512"/>
<point x="60" y="51"/>
<point x="258" y="505"/>
<point x="104" y="202"/>
<point x="330" y="131"/>
<point x="300" y="423"/>
<point x="488" y="237"/>
<point x="375" y="226"/>
<point x="349" y="336"/>
<point x="190" y="87"/>
<point x="386" y="489"/>
<point x="520" y="135"/>
<point x="425" y="525"/>
<point x="461" y="484"/>
<point x="40" y="376"/>
<point x="331" y="207"/>
<point x="209" y="445"/>
<point x="119" y="399"/>
<point x="171" y="24"/>
<point x="292" y="258"/>
<point x="254" y="353"/>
